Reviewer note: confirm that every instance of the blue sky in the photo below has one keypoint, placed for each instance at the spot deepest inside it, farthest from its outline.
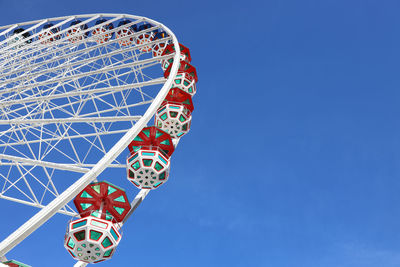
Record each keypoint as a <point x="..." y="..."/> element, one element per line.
<point x="293" y="155"/>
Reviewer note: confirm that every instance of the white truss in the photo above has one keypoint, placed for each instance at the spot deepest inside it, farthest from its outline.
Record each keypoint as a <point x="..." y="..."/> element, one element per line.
<point x="61" y="103"/>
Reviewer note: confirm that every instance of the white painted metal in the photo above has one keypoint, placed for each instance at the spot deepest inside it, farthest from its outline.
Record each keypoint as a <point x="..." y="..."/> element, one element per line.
<point x="70" y="120"/>
<point x="28" y="120"/>
<point x="80" y="264"/>
<point x="135" y="203"/>
<point x="61" y="211"/>
<point x="67" y="167"/>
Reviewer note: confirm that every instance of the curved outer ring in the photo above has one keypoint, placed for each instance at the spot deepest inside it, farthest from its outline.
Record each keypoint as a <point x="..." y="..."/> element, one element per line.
<point x="47" y="212"/>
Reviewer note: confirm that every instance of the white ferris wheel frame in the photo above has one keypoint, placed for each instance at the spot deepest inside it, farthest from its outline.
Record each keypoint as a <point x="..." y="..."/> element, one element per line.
<point x="91" y="174"/>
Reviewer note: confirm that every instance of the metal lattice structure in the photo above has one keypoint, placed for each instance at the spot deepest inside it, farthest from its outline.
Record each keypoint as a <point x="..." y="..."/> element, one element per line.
<point x="74" y="92"/>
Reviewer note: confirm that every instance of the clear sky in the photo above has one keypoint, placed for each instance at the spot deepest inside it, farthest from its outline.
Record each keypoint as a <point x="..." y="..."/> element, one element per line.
<point x="293" y="157"/>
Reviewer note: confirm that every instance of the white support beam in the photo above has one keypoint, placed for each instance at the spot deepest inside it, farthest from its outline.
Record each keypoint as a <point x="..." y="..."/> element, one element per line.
<point x="58" y="166"/>
<point x="82" y="165"/>
<point x="135" y="203"/>
<point x="36" y="205"/>
<point x="79" y="52"/>
<point x="67" y="137"/>
<point x="81" y="75"/>
<point x="70" y="120"/>
<point x="83" y="92"/>
<point x="80" y="264"/>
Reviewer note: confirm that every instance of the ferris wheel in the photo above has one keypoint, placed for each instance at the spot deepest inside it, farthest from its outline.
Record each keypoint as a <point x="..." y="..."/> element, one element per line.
<point x="75" y="92"/>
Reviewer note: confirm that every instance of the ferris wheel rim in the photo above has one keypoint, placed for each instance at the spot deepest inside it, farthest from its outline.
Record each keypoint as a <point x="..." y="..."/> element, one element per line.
<point x="35" y="31"/>
<point x="52" y="208"/>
